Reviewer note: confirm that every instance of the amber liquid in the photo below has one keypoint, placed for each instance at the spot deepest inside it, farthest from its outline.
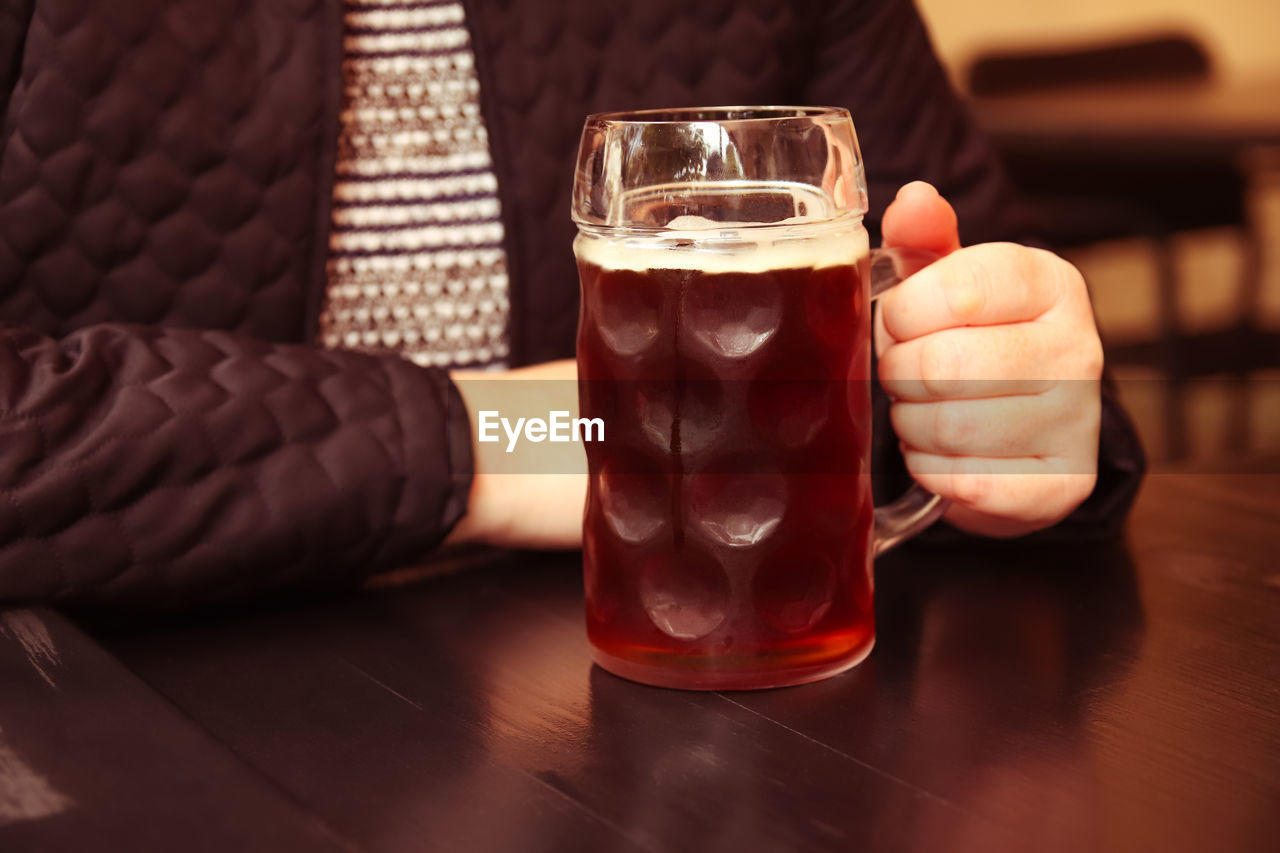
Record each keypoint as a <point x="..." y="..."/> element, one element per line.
<point x="729" y="510"/>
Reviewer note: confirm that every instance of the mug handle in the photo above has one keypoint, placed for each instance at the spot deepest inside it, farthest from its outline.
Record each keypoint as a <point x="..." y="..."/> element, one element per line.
<point x="918" y="508"/>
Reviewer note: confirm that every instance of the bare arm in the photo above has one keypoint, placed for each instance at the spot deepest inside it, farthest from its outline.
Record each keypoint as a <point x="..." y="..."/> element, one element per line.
<point x="532" y="497"/>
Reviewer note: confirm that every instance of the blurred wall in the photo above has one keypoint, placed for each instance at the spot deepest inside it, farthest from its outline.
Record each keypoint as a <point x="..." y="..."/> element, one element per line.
<point x="1241" y="34"/>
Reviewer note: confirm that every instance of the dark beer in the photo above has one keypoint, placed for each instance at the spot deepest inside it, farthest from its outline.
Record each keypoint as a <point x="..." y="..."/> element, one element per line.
<point x="728" y="523"/>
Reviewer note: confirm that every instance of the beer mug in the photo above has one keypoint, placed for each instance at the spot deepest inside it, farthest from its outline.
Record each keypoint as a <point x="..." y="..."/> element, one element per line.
<point x="725" y="343"/>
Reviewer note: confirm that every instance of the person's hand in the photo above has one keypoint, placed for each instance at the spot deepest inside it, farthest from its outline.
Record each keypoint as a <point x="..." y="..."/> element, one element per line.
<point x="993" y="364"/>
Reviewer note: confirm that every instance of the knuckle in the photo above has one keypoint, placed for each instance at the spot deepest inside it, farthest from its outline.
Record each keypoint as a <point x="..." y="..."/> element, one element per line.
<point x="1072" y="410"/>
<point x="1091" y="427"/>
<point x="891" y="309"/>
<point x="1072" y="279"/>
<point x="953" y="428"/>
<point x="889" y="363"/>
<point x="1046" y="279"/>
<point x="1062" y="405"/>
<point x="1065" y="492"/>
<point x="1056" y="278"/>
<point x="902" y="417"/>
<point x="938" y="365"/>
<point x="968" y="290"/>
<point x="1083" y="486"/>
<point x="969" y="485"/>
<point x="1091" y="357"/>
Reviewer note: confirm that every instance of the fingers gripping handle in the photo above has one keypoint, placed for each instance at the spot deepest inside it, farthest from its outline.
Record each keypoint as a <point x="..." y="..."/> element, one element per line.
<point x="918" y="508"/>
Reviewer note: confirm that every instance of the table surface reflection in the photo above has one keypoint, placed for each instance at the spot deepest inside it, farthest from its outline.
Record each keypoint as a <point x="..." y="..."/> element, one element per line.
<point x="1019" y="698"/>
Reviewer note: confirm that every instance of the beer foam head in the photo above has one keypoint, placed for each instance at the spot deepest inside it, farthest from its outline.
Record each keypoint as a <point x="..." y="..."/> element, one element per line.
<point x="712" y="248"/>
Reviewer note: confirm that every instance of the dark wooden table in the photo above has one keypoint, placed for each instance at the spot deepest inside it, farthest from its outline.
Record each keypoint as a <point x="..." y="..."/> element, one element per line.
<point x="1123" y="698"/>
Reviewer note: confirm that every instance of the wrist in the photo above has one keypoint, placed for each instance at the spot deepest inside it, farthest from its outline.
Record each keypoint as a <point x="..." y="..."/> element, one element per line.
<point x="529" y="495"/>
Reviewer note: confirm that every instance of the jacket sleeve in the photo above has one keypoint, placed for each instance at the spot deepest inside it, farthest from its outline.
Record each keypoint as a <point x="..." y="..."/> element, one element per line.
<point x="153" y="467"/>
<point x="874" y="57"/>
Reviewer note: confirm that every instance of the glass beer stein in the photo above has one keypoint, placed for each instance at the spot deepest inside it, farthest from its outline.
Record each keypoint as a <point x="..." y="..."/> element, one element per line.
<point x="725" y="342"/>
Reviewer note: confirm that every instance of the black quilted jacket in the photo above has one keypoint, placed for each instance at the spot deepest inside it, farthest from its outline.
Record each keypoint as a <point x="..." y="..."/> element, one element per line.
<point x="167" y="434"/>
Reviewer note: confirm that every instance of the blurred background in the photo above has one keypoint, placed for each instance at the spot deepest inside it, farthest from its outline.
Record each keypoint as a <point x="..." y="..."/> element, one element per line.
<point x="1146" y="136"/>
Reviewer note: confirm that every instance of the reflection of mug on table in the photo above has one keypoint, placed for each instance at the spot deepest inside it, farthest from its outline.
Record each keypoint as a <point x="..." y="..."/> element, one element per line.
<point x="725" y="341"/>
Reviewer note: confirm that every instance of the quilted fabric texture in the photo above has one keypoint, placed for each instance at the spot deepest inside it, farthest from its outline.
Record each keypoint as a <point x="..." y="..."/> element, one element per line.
<point x="163" y="164"/>
<point x="168" y="165"/>
<point x="162" y="466"/>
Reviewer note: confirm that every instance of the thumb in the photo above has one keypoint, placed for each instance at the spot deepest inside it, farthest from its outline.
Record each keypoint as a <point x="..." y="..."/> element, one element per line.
<point x="919" y="218"/>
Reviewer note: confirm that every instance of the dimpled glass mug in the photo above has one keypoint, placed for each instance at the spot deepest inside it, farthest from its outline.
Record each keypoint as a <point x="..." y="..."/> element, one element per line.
<point x="725" y="341"/>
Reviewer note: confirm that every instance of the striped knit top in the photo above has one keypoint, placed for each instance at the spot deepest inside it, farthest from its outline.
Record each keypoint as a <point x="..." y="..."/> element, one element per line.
<point x="416" y="263"/>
